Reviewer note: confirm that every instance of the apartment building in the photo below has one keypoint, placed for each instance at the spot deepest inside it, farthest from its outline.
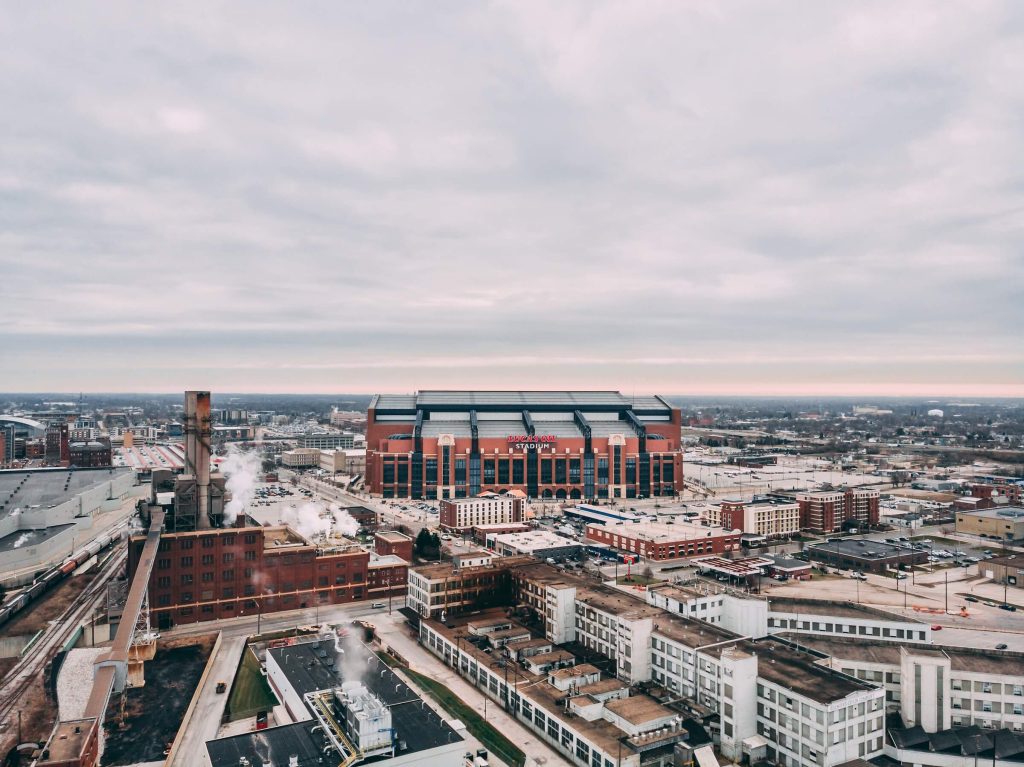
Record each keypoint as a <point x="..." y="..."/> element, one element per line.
<point x="763" y="516"/>
<point x="461" y="514"/>
<point x="830" y="511"/>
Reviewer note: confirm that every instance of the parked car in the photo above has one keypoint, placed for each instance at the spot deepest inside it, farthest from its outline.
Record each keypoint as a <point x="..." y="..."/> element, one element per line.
<point x="971" y="599"/>
<point x="1005" y="606"/>
<point x="1000" y="646"/>
<point x="936" y="627"/>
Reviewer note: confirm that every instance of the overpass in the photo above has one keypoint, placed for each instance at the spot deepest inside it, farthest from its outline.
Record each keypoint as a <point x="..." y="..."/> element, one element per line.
<point x="77" y="742"/>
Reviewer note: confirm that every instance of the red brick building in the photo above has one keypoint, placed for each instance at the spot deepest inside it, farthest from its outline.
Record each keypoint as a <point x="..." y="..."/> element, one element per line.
<point x="557" y="445"/>
<point x="658" y="541"/>
<point x="92" y="454"/>
<point x="829" y="511"/>
<point x="210" y="574"/>
<point x="391" y="542"/>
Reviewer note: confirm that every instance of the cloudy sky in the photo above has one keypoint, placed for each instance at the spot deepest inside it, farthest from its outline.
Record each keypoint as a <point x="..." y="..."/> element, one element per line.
<point x="681" y="197"/>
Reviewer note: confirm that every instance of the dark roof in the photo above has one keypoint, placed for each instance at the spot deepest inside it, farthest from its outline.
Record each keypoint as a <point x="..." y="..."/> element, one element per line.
<point x="910" y="737"/>
<point x="273" y="746"/>
<point x="314" y="665"/>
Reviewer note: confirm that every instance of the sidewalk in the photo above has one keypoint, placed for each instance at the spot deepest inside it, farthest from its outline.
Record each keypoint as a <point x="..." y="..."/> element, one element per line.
<point x="209" y="707"/>
<point x="394" y="633"/>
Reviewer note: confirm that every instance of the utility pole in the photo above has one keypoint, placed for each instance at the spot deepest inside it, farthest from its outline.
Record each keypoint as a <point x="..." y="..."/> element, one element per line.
<point x="946" y="574"/>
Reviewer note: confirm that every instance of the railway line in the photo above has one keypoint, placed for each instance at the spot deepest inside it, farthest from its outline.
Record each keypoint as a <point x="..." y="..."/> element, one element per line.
<point x="28" y="670"/>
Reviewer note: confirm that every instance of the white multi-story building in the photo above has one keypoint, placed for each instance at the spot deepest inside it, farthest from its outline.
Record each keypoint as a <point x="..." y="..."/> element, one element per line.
<point x="485" y="509"/>
<point x="301" y="458"/>
<point x="936" y="688"/>
<point x="753" y="617"/>
<point x="764" y="517"/>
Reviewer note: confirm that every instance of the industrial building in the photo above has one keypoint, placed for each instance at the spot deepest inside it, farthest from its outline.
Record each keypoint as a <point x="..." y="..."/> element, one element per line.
<point x="351" y="462"/>
<point x="461" y="514"/>
<point x="1005" y="523"/>
<point x="547" y="445"/>
<point x="1004" y="570"/>
<point x="865" y="556"/>
<point x="542" y="544"/>
<point x="658" y="541"/>
<point x="92" y="454"/>
<point x="209" y="574"/>
<point x="199" y="493"/>
<point x="374" y="717"/>
<point x="42" y="511"/>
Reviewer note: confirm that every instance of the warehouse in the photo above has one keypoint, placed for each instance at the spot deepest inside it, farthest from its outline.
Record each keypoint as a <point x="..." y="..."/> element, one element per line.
<point x="546" y="445"/>
<point x="865" y="556"/>
<point x="657" y="541"/>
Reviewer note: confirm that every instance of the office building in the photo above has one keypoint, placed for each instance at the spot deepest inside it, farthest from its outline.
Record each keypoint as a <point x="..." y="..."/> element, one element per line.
<point x="301" y="458"/>
<point x="546" y="445"/>
<point x="328" y="440"/>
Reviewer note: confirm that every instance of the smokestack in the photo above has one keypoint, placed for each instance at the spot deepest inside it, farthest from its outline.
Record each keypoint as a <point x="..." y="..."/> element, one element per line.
<point x="197" y="450"/>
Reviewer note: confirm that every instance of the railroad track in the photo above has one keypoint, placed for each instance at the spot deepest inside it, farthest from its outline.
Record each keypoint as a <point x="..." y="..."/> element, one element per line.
<point x="27" y="671"/>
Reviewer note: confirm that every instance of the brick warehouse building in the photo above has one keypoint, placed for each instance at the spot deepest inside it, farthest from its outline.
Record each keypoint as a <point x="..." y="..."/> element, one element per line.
<point x="557" y="445"/>
<point x="222" y="573"/>
<point x="656" y="541"/>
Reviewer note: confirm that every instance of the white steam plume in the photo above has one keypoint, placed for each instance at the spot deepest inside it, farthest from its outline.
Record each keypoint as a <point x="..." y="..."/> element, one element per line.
<point x="242" y="470"/>
<point x="313" y="520"/>
<point x="21" y="540"/>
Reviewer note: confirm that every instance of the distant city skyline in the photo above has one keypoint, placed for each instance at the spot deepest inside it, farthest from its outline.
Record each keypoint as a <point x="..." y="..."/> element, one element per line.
<point x="820" y="200"/>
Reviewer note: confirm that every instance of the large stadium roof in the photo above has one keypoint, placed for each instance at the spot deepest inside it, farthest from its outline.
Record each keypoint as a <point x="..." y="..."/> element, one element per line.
<point x="551" y="401"/>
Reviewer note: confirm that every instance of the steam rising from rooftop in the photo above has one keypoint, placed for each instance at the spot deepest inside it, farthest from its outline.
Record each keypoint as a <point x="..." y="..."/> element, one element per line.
<point x="314" y="520"/>
<point x="242" y="469"/>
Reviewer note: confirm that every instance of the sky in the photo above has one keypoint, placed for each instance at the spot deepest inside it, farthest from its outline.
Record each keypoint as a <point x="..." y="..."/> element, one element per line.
<point x="673" y="197"/>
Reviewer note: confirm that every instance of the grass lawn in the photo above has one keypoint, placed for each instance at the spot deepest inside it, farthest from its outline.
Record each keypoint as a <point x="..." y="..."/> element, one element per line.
<point x="483" y="731"/>
<point x="251" y="692"/>
<point x="636" y="580"/>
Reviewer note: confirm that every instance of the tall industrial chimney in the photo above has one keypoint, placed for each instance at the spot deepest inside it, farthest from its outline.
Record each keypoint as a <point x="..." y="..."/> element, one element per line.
<point x="197" y="450"/>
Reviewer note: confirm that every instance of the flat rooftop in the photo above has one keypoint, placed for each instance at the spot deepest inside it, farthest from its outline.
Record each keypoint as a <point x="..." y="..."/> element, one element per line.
<point x="1008" y="513"/>
<point x="46" y="488"/>
<point x="638" y="709"/>
<point x="661" y="532"/>
<point x="535" y="539"/>
<point x="314" y="665"/>
<point x="996" y="662"/>
<point x="618" y="603"/>
<point x="692" y="633"/>
<point x="392" y="536"/>
<point x="799" y="672"/>
<point x="28" y="538"/>
<point x="834" y="609"/>
<point x="271" y="746"/>
<point x="861" y="549"/>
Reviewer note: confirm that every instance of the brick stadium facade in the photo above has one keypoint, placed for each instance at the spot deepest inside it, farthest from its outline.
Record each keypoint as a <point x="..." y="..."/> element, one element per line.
<point x="557" y="445"/>
<point x="223" y="573"/>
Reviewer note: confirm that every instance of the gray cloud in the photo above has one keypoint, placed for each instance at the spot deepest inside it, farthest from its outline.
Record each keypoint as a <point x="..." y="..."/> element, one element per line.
<point x="395" y="196"/>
